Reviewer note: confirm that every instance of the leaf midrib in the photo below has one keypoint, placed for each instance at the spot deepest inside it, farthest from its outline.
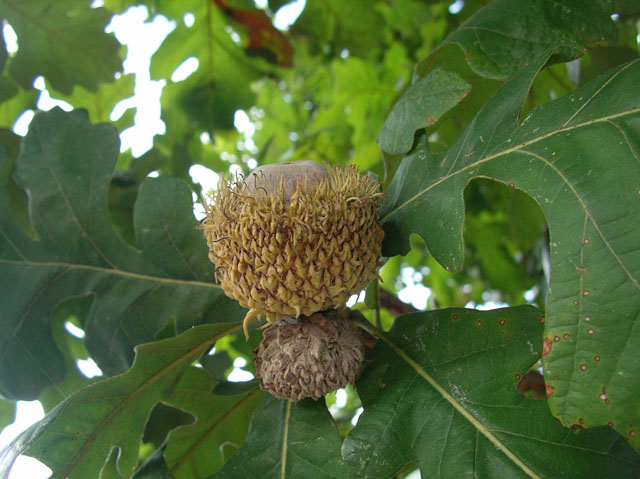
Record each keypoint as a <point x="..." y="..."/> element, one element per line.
<point x="114" y="271"/>
<point x="285" y="441"/>
<point x="588" y="215"/>
<point x="514" y="149"/>
<point x="87" y="53"/>
<point x="481" y="428"/>
<point x="521" y="149"/>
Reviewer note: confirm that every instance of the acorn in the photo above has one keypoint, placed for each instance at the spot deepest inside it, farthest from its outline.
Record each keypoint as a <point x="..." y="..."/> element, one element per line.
<point x="309" y="356"/>
<point x="294" y="238"/>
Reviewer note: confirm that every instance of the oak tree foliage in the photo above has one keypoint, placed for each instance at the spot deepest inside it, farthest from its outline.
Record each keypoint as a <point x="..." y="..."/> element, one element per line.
<point x="506" y="136"/>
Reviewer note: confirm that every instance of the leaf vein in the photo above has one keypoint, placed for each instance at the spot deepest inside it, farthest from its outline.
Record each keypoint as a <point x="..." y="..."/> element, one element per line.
<point x="588" y="214"/>
<point x="480" y="428"/>
<point x="115" y="271"/>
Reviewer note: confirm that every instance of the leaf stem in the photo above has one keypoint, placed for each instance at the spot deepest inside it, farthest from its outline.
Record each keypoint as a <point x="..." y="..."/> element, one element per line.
<point x="376" y="311"/>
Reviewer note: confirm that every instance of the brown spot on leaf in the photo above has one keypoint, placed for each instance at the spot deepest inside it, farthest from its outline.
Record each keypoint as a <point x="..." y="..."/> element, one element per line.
<point x="587" y="318"/>
<point x="575" y="301"/>
<point x="502" y="321"/>
<point x="549" y="390"/>
<point x="586" y="241"/>
<point x="546" y="346"/>
<point x="464" y="95"/>
<point x="532" y="385"/>
<point x="585" y="292"/>
<point x="565" y="335"/>
<point x="430" y="121"/>
<point x="610" y="424"/>
<point x="603" y="396"/>
<point x="556" y="338"/>
<point x="583" y="367"/>
<point x="590" y="331"/>
<point x="581" y="421"/>
<point x="576" y="426"/>
<point x="455" y="316"/>
<point x="632" y="433"/>
<point x="542" y="319"/>
<point x="479" y="323"/>
<point x="596" y="358"/>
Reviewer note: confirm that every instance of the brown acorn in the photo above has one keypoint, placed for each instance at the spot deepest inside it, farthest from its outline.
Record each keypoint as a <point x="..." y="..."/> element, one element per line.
<point x="309" y="356"/>
<point x="294" y="238"/>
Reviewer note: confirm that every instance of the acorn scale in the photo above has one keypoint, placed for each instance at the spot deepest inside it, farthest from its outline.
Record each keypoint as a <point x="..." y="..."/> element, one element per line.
<point x="309" y="356"/>
<point x="294" y="238"/>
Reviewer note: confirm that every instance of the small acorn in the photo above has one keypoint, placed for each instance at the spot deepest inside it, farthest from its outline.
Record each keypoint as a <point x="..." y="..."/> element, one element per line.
<point x="309" y="356"/>
<point x="294" y="238"/>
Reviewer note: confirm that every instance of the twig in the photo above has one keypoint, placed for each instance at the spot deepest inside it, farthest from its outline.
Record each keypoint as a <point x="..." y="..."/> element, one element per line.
<point x="393" y="304"/>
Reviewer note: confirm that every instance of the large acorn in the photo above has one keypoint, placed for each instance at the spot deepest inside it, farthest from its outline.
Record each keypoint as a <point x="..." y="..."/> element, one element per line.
<point x="294" y="238"/>
<point x="309" y="356"/>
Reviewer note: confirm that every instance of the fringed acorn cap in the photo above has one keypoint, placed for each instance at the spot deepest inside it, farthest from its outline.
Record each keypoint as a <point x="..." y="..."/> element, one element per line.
<point x="309" y="356"/>
<point x="294" y="238"/>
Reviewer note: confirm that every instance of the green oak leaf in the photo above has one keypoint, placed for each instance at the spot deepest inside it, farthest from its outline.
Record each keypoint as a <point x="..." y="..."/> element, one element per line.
<point x="14" y="101"/>
<point x="420" y="106"/>
<point x="578" y="158"/>
<point x="288" y="440"/>
<point x="77" y="437"/>
<point x="506" y="35"/>
<point x="65" y="165"/>
<point x="349" y="24"/>
<point x="440" y="390"/>
<point x="210" y="96"/>
<point x="100" y="104"/>
<point x="7" y="413"/>
<point x="63" y="41"/>
<point x="200" y="449"/>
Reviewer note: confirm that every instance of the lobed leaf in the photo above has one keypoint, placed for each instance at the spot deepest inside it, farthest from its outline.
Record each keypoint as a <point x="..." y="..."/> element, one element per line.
<point x="348" y="24"/>
<point x="288" y="440"/>
<point x="506" y="35"/>
<point x="76" y="438"/>
<point x="578" y="157"/>
<point x="210" y="96"/>
<point x="101" y="103"/>
<point x="65" y="166"/>
<point x="440" y="390"/>
<point x="63" y="41"/>
<point x="200" y="449"/>
<point x="420" y="106"/>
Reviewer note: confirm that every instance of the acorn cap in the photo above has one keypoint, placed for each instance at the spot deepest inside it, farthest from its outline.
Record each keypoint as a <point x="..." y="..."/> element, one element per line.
<point x="294" y="238"/>
<point x="309" y="356"/>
